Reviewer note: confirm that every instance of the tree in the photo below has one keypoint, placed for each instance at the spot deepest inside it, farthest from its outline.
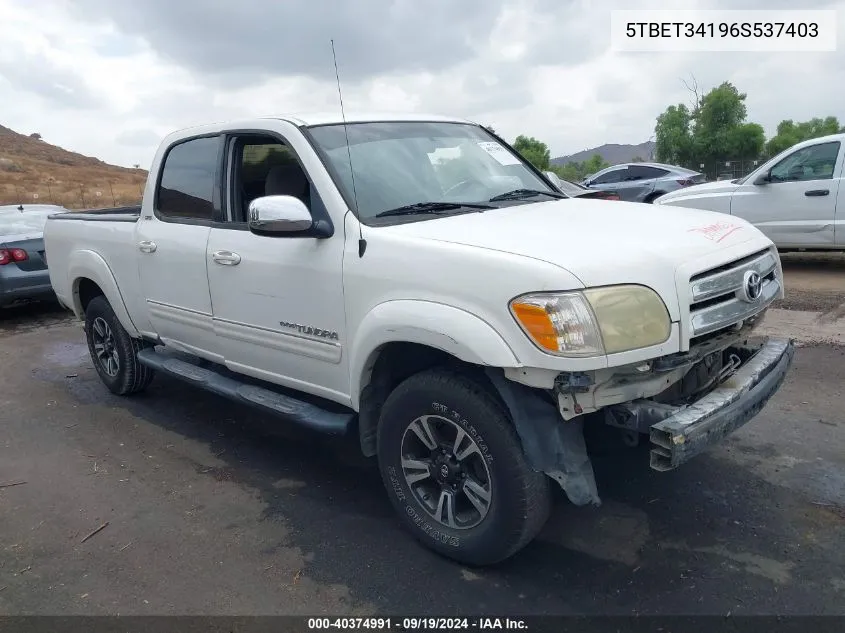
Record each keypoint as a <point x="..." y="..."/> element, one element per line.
<point x="714" y="129"/>
<point x="570" y="171"/>
<point x="719" y="131"/>
<point x="534" y="151"/>
<point x="593" y="164"/>
<point x="574" y="171"/>
<point x="673" y="142"/>
<point x="789" y="133"/>
<point x="36" y="136"/>
<point x="746" y="141"/>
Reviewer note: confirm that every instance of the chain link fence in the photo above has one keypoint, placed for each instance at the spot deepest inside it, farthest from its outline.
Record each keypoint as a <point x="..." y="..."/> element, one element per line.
<point x="726" y="169"/>
<point x="73" y="195"/>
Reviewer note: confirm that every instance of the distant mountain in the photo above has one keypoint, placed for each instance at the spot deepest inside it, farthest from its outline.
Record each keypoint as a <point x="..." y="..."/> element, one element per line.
<point x="613" y="153"/>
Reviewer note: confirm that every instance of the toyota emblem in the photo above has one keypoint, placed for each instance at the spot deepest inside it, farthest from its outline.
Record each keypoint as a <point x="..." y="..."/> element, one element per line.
<point x="752" y="286"/>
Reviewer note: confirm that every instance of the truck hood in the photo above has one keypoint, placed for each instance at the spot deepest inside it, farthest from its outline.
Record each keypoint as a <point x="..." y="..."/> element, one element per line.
<point x="601" y="242"/>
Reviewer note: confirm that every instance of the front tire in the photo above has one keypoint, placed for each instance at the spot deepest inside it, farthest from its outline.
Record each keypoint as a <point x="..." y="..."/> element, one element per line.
<point x="455" y="471"/>
<point x="113" y="351"/>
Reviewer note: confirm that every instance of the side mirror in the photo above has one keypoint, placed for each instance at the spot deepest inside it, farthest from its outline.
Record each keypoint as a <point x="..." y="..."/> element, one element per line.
<point x="279" y="215"/>
<point x="763" y="179"/>
<point x="553" y="177"/>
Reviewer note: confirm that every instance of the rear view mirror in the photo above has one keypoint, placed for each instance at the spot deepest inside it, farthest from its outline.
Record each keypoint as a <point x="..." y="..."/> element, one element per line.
<point x="270" y="215"/>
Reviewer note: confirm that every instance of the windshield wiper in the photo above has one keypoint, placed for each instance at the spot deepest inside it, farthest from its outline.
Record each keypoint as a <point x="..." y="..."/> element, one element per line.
<point x="431" y="207"/>
<point x="518" y="194"/>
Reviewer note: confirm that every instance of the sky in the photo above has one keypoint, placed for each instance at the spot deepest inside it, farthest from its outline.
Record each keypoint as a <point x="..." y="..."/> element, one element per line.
<point x="109" y="78"/>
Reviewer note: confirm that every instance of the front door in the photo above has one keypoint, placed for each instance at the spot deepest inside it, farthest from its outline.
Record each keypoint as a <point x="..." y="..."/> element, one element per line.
<point x="171" y="238"/>
<point x="797" y="207"/>
<point x="278" y="301"/>
<point x="613" y="179"/>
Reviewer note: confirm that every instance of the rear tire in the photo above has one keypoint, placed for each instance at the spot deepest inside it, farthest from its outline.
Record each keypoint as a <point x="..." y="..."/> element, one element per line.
<point x="455" y="471"/>
<point x="113" y="352"/>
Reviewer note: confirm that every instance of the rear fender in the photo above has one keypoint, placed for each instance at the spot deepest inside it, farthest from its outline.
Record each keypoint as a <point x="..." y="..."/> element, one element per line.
<point x="452" y="330"/>
<point x="86" y="264"/>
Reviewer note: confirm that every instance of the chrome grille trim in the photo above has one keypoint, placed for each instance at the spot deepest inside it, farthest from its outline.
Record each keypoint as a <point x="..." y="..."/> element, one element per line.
<point x="729" y="281"/>
<point x="716" y="298"/>
<point x="732" y="311"/>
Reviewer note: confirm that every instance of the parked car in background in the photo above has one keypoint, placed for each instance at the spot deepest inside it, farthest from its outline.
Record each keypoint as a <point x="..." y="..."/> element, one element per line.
<point x="643" y="182"/>
<point x="574" y="190"/>
<point x="23" y="265"/>
<point x="792" y="198"/>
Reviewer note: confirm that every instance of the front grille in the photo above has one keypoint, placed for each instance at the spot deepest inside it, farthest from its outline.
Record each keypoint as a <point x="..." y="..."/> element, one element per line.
<point x="719" y="298"/>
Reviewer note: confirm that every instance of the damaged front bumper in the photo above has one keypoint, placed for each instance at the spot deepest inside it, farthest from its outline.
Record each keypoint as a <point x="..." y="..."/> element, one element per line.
<point x="692" y="429"/>
<point x="677" y="433"/>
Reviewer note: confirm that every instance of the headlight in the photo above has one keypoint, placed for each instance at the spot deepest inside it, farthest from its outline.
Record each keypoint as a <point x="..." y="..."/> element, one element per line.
<point x="592" y="322"/>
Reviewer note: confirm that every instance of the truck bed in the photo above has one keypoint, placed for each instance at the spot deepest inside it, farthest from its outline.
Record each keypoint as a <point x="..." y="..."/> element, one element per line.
<point x="107" y="245"/>
<point x="108" y="214"/>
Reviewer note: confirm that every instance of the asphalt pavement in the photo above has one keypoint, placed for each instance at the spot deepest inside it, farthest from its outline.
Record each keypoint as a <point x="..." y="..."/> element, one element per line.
<point x="210" y="508"/>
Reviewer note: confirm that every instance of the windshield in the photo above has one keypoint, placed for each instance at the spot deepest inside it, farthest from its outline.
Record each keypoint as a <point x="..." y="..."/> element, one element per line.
<point x="15" y="222"/>
<point x="397" y="164"/>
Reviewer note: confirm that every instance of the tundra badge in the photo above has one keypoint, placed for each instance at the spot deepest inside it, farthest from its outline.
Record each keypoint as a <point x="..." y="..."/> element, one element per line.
<point x="309" y="330"/>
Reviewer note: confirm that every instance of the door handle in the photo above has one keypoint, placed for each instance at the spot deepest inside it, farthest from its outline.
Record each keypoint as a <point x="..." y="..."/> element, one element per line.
<point x="226" y="258"/>
<point x="816" y="192"/>
<point x="147" y="246"/>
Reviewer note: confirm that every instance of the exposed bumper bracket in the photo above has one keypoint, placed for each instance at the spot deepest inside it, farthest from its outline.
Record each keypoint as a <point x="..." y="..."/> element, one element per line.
<point x="734" y="402"/>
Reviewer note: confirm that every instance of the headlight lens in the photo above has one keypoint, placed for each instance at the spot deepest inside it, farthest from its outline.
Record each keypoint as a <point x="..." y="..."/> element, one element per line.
<point x="630" y="317"/>
<point x="559" y="323"/>
<point x="596" y="321"/>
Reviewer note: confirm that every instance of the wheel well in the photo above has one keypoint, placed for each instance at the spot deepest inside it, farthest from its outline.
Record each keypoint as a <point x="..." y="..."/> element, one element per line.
<point x="390" y="365"/>
<point x="87" y="290"/>
<point x="653" y="196"/>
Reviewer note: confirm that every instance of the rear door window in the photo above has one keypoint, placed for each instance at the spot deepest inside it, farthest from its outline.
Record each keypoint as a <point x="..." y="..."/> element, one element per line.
<point x="187" y="183"/>
<point x="645" y="172"/>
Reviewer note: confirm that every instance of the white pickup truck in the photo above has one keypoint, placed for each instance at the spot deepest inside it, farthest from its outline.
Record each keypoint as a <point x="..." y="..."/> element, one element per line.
<point x="413" y="280"/>
<point x="793" y="198"/>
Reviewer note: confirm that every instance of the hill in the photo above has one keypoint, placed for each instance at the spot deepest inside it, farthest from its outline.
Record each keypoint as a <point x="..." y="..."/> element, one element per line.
<point x="31" y="167"/>
<point x="613" y="153"/>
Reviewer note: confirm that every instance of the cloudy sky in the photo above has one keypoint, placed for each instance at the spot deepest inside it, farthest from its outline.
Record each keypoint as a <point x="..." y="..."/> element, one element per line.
<point x="110" y="77"/>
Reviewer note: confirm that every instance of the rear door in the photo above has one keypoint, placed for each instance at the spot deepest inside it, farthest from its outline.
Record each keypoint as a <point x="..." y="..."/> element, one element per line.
<point x="171" y="240"/>
<point x="640" y="182"/>
<point x="797" y="207"/>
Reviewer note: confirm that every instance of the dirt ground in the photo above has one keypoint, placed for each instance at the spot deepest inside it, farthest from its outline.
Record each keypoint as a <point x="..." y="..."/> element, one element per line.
<point x="814" y="281"/>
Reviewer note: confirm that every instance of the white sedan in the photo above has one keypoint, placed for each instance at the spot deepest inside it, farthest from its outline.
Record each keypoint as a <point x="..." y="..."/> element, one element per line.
<point x="792" y="198"/>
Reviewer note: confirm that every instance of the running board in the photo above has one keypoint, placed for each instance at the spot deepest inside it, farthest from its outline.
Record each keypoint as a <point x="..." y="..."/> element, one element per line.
<point x="293" y="409"/>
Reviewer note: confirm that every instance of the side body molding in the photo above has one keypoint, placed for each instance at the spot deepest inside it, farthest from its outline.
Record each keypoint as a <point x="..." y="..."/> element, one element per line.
<point x="437" y="325"/>
<point x="89" y="264"/>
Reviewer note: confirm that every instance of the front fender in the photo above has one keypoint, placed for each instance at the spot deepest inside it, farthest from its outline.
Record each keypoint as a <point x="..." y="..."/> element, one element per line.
<point x="452" y="330"/>
<point x="88" y="264"/>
